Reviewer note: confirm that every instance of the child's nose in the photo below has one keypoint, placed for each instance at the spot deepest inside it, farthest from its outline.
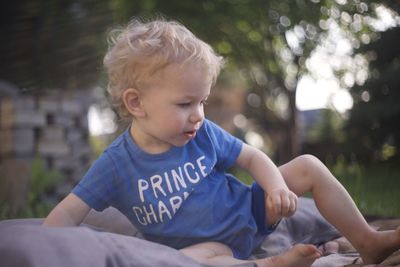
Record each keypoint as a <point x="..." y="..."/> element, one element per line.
<point x="197" y="115"/>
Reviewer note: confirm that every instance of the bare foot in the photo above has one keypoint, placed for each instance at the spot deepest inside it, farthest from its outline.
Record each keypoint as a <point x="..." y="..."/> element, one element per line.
<point x="298" y="256"/>
<point x="381" y="246"/>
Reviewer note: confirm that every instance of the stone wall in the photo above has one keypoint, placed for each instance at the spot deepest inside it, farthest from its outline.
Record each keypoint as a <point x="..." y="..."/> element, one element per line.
<point x="52" y="127"/>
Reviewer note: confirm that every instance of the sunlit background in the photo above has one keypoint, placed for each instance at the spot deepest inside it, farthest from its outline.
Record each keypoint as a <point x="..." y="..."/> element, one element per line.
<point x="310" y="76"/>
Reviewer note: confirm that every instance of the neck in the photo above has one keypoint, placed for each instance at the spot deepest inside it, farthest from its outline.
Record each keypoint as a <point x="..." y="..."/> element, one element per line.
<point x="146" y="142"/>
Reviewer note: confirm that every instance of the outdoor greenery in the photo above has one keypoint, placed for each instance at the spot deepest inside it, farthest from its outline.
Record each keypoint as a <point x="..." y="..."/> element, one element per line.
<point x="42" y="187"/>
<point x="59" y="44"/>
<point x="40" y="197"/>
<point x="374" y="189"/>
<point x="52" y="45"/>
<point x="373" y="131"/>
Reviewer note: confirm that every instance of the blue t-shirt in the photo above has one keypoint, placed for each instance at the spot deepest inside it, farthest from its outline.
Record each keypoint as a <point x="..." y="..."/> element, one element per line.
<point x="180" y="197"/>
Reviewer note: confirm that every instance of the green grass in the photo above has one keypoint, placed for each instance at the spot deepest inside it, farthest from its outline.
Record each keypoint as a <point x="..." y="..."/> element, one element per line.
<point x="375" y="189"/>
<point x="39" y="202"/>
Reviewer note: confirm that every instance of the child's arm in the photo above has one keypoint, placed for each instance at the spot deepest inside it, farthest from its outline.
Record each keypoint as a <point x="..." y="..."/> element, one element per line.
<point x="71" y="211"/>
<point x="281" y="202"/>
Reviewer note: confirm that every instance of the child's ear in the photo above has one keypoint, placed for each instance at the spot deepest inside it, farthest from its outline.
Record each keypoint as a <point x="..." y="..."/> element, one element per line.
<point x="132" y="102"/>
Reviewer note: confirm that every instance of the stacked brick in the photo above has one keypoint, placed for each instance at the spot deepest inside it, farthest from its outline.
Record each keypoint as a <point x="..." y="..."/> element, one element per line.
<point x="52" y="127"/>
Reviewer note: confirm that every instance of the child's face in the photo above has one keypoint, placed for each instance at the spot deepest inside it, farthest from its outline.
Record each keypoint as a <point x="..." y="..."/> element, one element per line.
<point x="174" y="108"/>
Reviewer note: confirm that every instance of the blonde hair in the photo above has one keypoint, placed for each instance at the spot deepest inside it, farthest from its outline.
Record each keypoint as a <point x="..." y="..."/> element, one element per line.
<point x="141" y="49"/>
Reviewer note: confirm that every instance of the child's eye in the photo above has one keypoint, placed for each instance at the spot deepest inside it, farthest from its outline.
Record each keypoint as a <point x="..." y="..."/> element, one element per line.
<point x="184" y="105"/>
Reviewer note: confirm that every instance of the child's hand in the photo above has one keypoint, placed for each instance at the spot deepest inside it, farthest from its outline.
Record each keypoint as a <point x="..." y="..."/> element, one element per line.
<point x="281" y="202"/>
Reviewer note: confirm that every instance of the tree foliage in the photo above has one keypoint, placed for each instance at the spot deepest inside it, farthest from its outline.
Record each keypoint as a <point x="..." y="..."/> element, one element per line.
<point x="59" y="44"/>
<point x="373" y="130"/>
<point x="49" y="44"/>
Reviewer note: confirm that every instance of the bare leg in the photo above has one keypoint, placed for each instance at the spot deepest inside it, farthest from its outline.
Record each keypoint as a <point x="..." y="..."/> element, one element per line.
<point x="308" y="174"/>
<point x="218" y="254"/>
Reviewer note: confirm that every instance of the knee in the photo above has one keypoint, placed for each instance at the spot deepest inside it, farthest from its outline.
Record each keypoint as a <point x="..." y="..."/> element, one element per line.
<point x="308" y="165"/>
<point x="308" y="159"/>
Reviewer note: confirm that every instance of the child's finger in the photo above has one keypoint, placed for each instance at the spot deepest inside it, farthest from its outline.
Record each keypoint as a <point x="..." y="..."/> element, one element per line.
<point x="293" y="204"/>
<point x="285" y="204"/>
<point x="275" y="203"/>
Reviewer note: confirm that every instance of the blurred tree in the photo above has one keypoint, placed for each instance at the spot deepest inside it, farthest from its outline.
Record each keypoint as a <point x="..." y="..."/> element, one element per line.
<point x="373" y="129"/>
<point x="48" y="44"/>
<point x="324" y="136"/>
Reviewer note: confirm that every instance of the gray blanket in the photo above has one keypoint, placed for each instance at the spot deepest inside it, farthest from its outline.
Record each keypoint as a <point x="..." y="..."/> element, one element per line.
<point x="108" y="240"/>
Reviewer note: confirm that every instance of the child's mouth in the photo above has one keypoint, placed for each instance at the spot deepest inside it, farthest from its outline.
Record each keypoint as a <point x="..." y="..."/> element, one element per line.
<point x="190" y="134"/>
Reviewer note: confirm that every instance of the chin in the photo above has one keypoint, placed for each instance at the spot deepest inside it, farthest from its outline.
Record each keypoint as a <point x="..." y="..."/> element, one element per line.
<point x="180" y="144"/>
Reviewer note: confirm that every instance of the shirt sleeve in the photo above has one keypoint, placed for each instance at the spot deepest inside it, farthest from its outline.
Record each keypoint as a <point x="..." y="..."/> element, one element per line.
<point x="97" y="188"/>
<point x="226" y="146"/>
